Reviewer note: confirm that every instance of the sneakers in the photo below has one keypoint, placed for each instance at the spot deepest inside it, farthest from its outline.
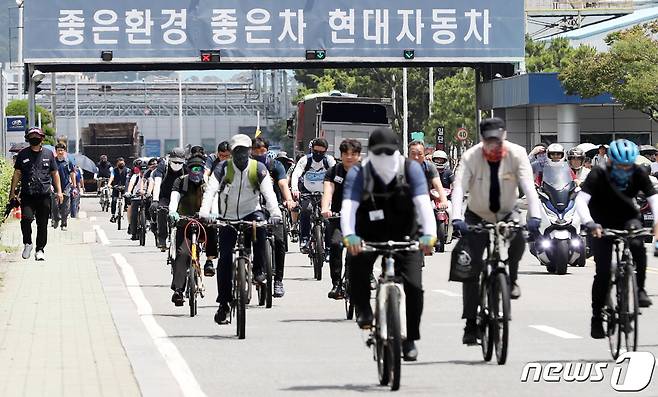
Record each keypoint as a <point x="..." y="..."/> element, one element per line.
<point x="597" y="331"/>
<point x="221" y="317"/>
<point x="209" y="269"/>
<point x="64" y="228"/>
<point x="27" y="250"/>
<point x="55" y="224"/>
<point x="409" y="351"/>
<point x="373" y="283"/>
<point x="364" y="317"/>
<point x="278" y="289"/>
<point x="644" y="299"/>
<point x="470" y="333"/>
<point x="113" y="219"/>
<point x="303" y="246"/>
<point x="515" y="293"/>
<point x="177" y="298"/>
<point x="336" y="292"/>
<point x="40" y="255"/>
<point x="260" y="279"/>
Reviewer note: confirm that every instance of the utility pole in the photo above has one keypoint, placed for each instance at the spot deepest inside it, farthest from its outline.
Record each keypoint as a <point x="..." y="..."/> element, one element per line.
<point x="405" y="120"/>
<point x="31" y="96"/>
<point x="431" y="78"/>
<point x="53" y="100"/>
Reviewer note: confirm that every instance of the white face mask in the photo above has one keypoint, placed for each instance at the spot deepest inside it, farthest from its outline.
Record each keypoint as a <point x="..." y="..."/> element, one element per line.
<point x="385" y="166"/>
<point x="176" y="167"/>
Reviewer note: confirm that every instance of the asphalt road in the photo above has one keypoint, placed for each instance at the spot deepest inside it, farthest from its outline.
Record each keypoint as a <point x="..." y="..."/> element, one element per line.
<point x="304" y="346"/>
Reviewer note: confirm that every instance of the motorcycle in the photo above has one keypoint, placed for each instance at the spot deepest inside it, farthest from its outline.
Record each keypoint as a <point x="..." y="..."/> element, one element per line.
<point x="443" y="224"/>
<point x="560" y="244"/>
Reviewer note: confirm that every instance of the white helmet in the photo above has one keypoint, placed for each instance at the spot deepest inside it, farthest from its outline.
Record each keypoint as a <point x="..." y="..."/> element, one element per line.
<point x="440" y="154"/>
<point x="555" y="148"/>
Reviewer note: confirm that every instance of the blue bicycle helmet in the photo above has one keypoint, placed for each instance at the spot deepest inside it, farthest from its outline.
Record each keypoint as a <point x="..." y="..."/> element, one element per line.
<point x="623" y="151"/>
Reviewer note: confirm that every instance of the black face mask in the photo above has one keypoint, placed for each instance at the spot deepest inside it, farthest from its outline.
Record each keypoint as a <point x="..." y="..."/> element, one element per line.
<point x="241" y="157"/>
<point x="35" y="141"/>
<point x="318" y="156"/>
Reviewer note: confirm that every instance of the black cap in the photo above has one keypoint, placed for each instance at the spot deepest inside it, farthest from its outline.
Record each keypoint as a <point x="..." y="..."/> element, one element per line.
<point x="195" y="159"/>
<point x="492" y="128"/>
<point x="383" y="138"/>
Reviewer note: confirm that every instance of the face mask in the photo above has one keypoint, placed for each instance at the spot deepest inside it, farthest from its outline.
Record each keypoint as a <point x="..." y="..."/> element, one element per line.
<point x="493" y="152"/>
<point x="318" y="156"/>
<point x="261" y="159"/>
<point x="136" y="170"/>
<point x="385" y="166"/>
<point x="620" y="177"/>
<point x="176" y="166"/>
<point x="241" y="157"/>
<point x="196" y="177"/>
<point x="35" y="141"/>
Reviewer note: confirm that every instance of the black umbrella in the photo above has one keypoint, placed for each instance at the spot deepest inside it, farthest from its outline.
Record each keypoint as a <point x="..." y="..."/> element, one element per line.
<point x="85" y="163"/>
<point x="17" y="147"/>
<point x="648" y="149"/>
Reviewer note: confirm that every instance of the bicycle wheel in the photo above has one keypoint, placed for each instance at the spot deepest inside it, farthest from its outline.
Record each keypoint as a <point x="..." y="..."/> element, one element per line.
<point x="269" y="272"/>
<point x="241" y="284"/>
<point x="349" y="306"/>
<point x="119" y="217"/>
<point x="484" y="322"/>
<point x="191" y="289"/>
<point x="631" y="311"/>
<point x="394" y="339"/>
<point x="142" y="227"/>
<point x="381" y="347"/>
<point x="501" y="315"/>
<point x="318" y="253"/>
<point x="611" y="320"/>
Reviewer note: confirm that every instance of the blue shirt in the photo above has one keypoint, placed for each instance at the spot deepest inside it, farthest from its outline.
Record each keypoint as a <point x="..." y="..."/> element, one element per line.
<point x="353" y="188"/>
<point x="65" y="168"/>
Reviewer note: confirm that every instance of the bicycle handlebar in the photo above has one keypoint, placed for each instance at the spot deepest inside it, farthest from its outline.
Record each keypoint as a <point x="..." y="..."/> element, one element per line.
<point x="390" y="246"/>
<point x="486" y="226"/>
<point x="238" y="223"/>
<point x="643" y="232"/>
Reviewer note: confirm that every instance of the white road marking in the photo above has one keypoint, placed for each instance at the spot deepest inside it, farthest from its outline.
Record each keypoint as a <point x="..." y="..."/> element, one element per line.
<point x="555" y="332"/>
<point x="92" y="219"/>
<point x="447" y="293"/>
<point x="175" y="361"/>
<point x="101" y="235"/>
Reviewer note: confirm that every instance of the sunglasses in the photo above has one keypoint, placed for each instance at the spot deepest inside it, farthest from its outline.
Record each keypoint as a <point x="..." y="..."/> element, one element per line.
<point x="383" y="150"/>
<point x="178" y="162"/>
<point x="196" y="168"/>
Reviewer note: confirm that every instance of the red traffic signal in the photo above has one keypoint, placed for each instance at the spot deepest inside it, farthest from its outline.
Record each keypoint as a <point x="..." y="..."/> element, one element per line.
<point x="212" y="56"/>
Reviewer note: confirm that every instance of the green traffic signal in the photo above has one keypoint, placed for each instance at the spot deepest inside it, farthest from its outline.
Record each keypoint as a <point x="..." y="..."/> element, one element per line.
<point x="409" y="54"/>
<point x="320" y="54"/>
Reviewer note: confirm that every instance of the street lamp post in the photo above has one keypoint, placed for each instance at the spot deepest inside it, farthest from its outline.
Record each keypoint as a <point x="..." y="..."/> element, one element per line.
<point x="19" y="3"/>
<point x="405" y="111"/>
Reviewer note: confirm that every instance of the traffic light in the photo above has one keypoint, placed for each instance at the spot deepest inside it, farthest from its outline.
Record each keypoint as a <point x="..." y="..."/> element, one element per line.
<point x="210" y="56"/>
<point x="409" y="54"/>
<point x="316" y="55"/>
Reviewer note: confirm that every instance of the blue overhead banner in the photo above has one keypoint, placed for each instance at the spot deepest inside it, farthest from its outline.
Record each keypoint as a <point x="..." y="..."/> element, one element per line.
<point x="266" y="31"/>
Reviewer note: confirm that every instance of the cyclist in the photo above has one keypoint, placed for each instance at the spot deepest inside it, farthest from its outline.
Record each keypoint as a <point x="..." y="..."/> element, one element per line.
<point x="285" y="160"/>
<point x="576" y="159"/>
<point x="104" y="170"/>
<point x="332" y="200"/>
<point x="239" y="183"/>
<point x="164" y="177"/>
<point x="491" y="173"/>
<point x="384" y="199"/>
<point x="614" y="187"/>
<point x="417" y="153"/>
<point x="152" y="165"/>
<point x="440" y="160"/>
<point x="185" y="200"/>
<point x="259" y="152"/>
<point x="213" y="160"/>
<point x="308" y="177"/>
<point x="118" y="178"/>
<point x="601" y="159"/>
<point x="137" y="189"/>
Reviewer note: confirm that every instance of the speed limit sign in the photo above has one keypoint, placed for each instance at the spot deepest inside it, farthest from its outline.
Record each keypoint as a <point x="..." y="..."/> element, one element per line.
<point x="462" y="134"/>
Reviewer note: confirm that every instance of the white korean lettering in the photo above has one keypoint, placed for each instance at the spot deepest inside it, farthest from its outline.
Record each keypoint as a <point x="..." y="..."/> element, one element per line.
<point x="225" y="24"/>
<point x="260" y="17"/>
<point x="406" y="31"/>
<point x="341" y="20"/>
<point x="444" y="26"/>
<point x="380" y="35"/>
<point x="71" y="27"/>
<point x="139" y="23"/>
<point x="287" y="16"/>
<point x="175" y="28"/>
<point x="105" y="18"/>
<point x="473" y="15"/>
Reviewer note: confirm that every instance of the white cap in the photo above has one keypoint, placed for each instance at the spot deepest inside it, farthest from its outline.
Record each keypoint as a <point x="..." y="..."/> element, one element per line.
<point x="240" y="140"/>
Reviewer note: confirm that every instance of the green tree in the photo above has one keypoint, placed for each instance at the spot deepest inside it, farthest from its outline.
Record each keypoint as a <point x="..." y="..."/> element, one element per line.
<point x="20" y="108"/>
<point x="546" y="56"/>
<point x="628" y="71"/>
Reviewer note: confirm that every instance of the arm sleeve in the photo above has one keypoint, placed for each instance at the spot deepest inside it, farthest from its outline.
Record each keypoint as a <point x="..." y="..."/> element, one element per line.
<point x="174" y="199"/>
<point x="582" y="207"/>
<point x="527" y="183"/>
<point x="209" y="196"/>
<point x="425" y="214"/>
<point x="653" y="203"/>
<point x="462" y="179"/>
<point x="331" y="161"/>
<point x="352" y="191"/>
<point x="299" y="169"/>
<point x="156" y="187"/>
<point x="267" y="190"/>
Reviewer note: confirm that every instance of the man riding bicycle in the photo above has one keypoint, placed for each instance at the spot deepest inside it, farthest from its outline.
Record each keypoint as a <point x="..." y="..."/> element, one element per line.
<point x="615" y="187"/>
<point x="214" y="159"/>
<point x="185" y="200"/>
<point x="259" y="150"/>
<point x="163" y="180"/>
<point x="308" y="177"/>
<point x="118" y="179"/>
<point x="384" y="199"/>
<point x="332" y="201"/>
<point x="239" y="183"/>
<point x="491" y="173"/>
<point x="104" y="171"/>
<point x="136" y="195"/>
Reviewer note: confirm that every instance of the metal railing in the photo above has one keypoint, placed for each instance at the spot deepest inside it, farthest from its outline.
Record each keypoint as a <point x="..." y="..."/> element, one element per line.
<point x="579" y="5"/>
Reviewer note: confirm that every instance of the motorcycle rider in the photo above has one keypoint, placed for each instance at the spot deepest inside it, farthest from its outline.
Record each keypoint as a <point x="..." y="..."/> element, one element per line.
<point x="385" y="199"/>
<point x="576" y="159"/>
<point x="491" y="172"/>
<point x="163" y="180"/>
<point x="440" y="160"/>
<point x="118" y="178"/>
<point x="614" y="187"/>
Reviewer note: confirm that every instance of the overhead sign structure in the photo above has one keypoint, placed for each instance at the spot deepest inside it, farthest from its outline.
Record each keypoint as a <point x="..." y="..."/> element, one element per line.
<point x="265" y="31"/>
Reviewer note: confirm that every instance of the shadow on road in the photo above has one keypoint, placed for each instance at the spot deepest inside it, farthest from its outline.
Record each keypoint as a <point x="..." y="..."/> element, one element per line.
<point x="541" y="273"/>
<point x="449" y="362"/>
<point x="348" y="387"/>
<point x="214" y="337"/>
<point x="313" y="320"/>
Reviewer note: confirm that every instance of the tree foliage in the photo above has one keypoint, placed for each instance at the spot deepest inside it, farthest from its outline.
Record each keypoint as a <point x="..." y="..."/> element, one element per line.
<point x="454" y="105"/>
<point x="20" y="108"/>
<point x="546" y="56"/>
<point x="628" y="71"/>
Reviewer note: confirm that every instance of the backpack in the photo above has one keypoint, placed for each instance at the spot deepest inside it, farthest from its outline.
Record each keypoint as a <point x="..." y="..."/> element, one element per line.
<point x="229" y="173"/>
<point x="309" y="162"/>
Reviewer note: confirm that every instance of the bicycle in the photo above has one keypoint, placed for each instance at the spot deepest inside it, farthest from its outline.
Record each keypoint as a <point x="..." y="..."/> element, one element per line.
<point x="141" y="227"/>
<point x="316" y="248"/>
<point x="621" y="311"/>
<point x="286" y="224"/>
<point x="242" y="269"/>
<point x="349" y="306"/>
<point x="390" y="322"/>
<point x="120" y="205"/>
<point x="194" y="285"/>
<point x="494" y="311"/>
<point x="104" y="194"/>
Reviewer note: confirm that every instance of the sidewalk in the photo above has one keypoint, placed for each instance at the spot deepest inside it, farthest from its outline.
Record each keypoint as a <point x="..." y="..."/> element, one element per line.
<point x="57" y="336"/>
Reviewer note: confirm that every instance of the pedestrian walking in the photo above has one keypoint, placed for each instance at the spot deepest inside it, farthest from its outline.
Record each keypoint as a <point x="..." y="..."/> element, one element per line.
<point x="60" y="211"/>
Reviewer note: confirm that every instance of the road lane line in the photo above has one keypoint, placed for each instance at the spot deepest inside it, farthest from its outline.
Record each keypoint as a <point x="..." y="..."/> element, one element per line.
<point x="447" y="293"/>
<point x="175" y="361"/>
<point x="92" y="219"/>
<point x="101" y="235"/>
<point x="556" y="332"/>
